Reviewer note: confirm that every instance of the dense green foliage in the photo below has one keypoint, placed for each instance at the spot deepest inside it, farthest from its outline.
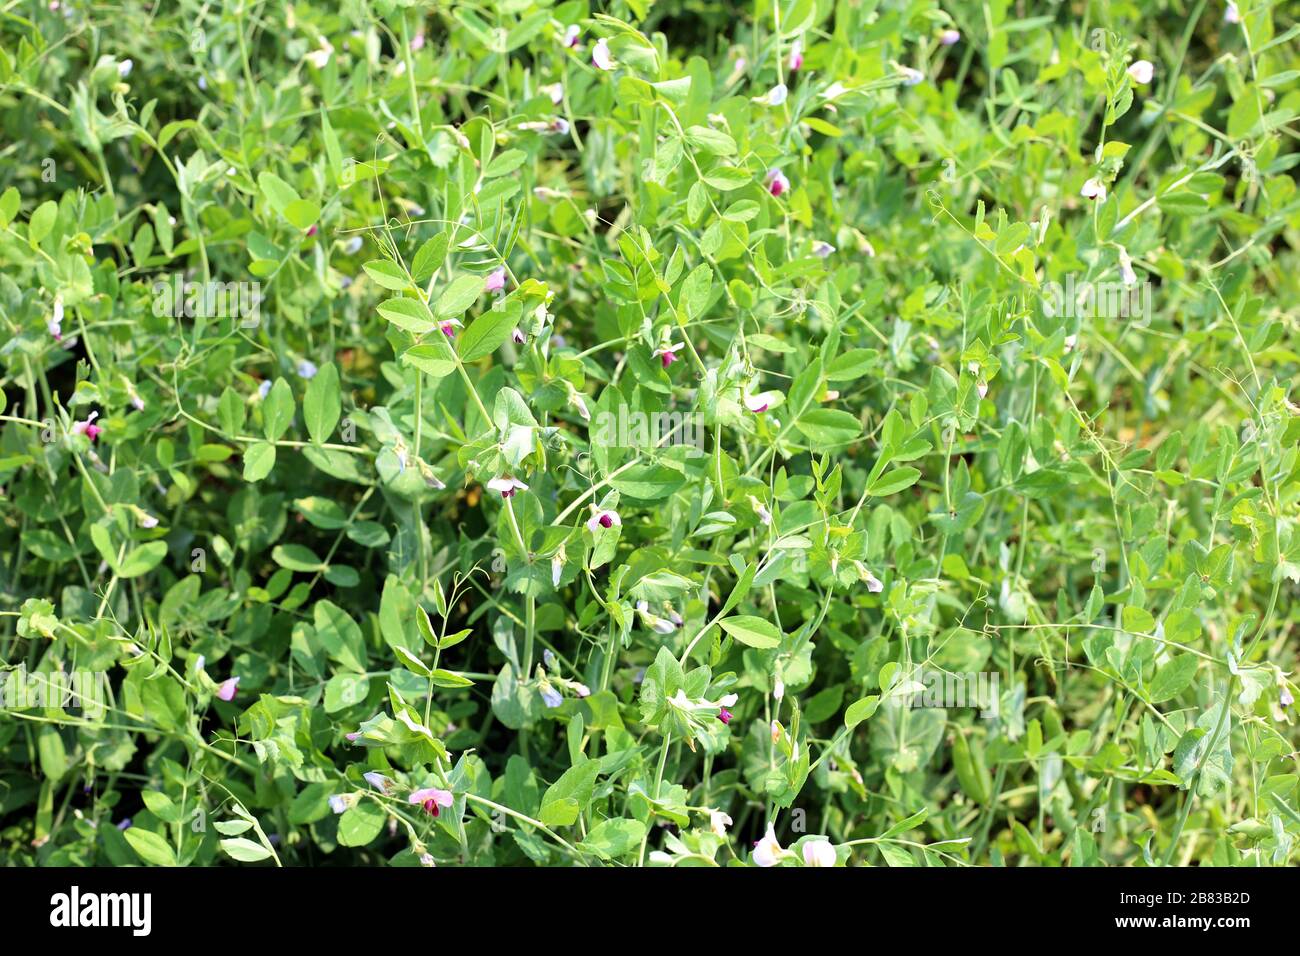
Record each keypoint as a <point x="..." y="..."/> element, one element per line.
<point x="520" y="433"/>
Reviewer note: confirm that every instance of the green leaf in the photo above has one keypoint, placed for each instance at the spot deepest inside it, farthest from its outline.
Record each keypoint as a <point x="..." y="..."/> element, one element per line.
<point x="277" y="410"/>
<point x="752" y="631"/>
<point x="259" y="459"/>
<point x="42" y="221"/>
<point x="487" y="333"/>
<point x="150" y="847"/>
<point x="860" y="710"/>
<point x="569" y="795"/>
<point x="829" y="426"/>
<point x="322" y="404"/>
<point x="142" y="560"/>
<point x="278" y="193"/>
<point x="1173" y="678"/>
<point x="893" y="482"/>
<point x="409" y="315"/>
<point x="610" y="839"/>
<point x="459" y="296"/>
<point x="296" y="557"/>
<point x="302" y="213"/>
<point x="360" y="824"/>
<point x="387" y="274"/>
<point x="245" y="851"/>
<point x="648" y="482"/>
<point x="433" y="358"/>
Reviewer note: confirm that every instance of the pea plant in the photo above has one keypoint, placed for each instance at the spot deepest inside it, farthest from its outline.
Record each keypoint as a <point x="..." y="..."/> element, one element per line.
<point x="790" y="433"/>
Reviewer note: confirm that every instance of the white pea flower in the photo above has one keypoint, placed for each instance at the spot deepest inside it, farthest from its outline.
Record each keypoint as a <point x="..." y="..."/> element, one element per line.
<point x="768" y="852"/>
<point x="911" y="77"/>
<point x="1094" y="189"/>
<point x="1141" y="72"/>
<point x="653" y="621"/>
<point x="818" y="853"/>
<point x="718" y="822"/>
<point x="1126" y="268"/>
<point x="507" y="485"/>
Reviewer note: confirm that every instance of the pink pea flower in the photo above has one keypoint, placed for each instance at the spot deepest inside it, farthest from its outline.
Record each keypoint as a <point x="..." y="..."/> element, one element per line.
<point x="796" y="56"/>
<point x="87" y="427"/>
<point x="600" y="55"/>
<point x="1231" y="14"/>
<point x="777" y="183"/>
<point x="668" y="354"/>
<point x="226" y="691"/>
<point x="603" y="519"/>
<point x="725" y="715"/>
<point x="147" y="520"/>
<point x="950" y="37"/>
<point x="519" y="336"/>
<point x="571" y="37"/>
<point x="507" y="485"/>
<point x="822" y="249"/>
<point x="496" y="281"/>
<point x="555" y="91"/>
<point x="431" y="798"/>
<point x="449" y="327"/>
<point x="417" y="42"/>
